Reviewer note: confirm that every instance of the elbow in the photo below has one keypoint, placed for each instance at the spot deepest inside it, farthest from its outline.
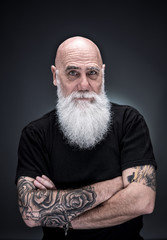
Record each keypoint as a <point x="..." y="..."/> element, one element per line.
<point x="30" y="223"/>
<point x="147" y="205"/>
<point x="28" y="220"/>
<point x="144" y="201"/>
<point x="149" y="208"/>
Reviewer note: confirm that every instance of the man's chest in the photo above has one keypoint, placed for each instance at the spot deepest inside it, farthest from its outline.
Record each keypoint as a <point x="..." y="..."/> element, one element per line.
<point x="72" y="168"/>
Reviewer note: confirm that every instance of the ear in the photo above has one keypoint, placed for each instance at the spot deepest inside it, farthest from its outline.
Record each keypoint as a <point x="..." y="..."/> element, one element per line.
<point x="53" y="69"/>
<point x="103" y="70"/>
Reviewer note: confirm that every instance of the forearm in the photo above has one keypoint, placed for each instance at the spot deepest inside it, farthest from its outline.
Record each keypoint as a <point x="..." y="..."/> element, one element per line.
<point x="120" y="208"/>
<point x="56" y="208"/>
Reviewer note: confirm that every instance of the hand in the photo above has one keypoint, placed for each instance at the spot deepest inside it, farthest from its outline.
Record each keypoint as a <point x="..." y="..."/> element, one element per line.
<point x="44" y="182"/>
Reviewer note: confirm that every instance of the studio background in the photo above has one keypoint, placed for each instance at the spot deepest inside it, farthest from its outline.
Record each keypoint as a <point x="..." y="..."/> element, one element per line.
<point x="132" y="38"/>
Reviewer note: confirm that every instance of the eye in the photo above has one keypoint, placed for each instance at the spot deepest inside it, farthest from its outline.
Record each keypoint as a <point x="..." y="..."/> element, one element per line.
<point x="92" y="74"/>
<point x="73" y="73"/>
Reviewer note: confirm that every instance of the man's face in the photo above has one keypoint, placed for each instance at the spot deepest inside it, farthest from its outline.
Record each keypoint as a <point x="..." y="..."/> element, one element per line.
<point x="80" y="70"/>
<point x="83" y="108"/>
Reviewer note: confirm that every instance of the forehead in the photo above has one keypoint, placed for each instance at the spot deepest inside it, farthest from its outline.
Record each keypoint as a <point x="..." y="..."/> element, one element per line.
<point x="80" y="57"/>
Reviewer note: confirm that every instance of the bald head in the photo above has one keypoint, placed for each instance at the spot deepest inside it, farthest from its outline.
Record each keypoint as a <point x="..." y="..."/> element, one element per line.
<point x="78" y="64"/>
<point x="78" y="47"/>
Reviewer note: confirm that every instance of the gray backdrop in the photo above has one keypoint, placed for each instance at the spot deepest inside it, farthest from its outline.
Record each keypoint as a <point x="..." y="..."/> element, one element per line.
<point x="132" y="37"/>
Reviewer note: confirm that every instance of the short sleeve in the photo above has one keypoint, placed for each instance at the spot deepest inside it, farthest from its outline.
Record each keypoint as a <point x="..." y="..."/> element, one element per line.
<point x="136" y="146"/>
<point x="32" y="154"/>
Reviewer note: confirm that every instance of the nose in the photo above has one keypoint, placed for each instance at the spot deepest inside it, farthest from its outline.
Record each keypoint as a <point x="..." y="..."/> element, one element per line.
<point x="83" y="83"/>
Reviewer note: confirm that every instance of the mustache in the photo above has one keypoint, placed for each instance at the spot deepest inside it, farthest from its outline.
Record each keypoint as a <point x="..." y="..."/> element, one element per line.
<point x="83" y="94"/>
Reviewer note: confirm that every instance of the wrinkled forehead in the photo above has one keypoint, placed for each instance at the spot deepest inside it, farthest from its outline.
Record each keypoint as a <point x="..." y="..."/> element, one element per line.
<point x="78" y="54"/>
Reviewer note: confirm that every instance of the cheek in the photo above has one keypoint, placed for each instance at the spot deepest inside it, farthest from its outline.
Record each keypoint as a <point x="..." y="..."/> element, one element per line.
<point x="68" y="88"/>
<point x="96" y="87"/>
<point x="97" y="84"/>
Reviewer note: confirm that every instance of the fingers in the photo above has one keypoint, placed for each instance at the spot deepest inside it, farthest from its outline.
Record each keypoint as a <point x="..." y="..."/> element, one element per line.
<point x="44" y="183"/>
<point x="39" y="185"/>
<point x="46" y="178"/>
<point x="50" y="181"/>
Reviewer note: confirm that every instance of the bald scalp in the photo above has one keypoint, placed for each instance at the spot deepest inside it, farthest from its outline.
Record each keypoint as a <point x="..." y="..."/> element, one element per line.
<point x="77" y="43"/>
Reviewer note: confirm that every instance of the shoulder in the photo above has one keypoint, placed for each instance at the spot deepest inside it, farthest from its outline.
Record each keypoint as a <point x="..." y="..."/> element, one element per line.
<point x="124" y="113"/>
<point x="42" y="124"/>
<point x="125" y="117"/>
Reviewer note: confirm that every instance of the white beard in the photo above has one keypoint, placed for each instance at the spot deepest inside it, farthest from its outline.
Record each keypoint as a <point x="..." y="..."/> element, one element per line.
<point x="84" y="123"/>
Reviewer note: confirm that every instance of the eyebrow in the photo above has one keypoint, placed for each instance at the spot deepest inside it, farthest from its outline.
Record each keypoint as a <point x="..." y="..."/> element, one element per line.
<point x="93" y="68"/>
<point x="75" y="67"/>
<point x="72" y="67"/>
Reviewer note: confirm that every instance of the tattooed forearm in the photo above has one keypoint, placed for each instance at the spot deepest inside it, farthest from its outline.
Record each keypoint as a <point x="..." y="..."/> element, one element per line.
<point x="144" y="174"/>
<point x="52" y="207"/>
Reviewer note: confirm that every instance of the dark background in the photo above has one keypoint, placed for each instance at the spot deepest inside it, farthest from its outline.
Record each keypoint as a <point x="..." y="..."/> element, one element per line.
<point x="132" y="37"/>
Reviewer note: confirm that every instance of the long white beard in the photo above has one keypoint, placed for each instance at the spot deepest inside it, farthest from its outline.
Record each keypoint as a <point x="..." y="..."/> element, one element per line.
<point x="84" y="123"/>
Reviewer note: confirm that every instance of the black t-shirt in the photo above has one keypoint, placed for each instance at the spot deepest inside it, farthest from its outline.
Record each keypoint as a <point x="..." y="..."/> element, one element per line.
<point x="44" y="150"/>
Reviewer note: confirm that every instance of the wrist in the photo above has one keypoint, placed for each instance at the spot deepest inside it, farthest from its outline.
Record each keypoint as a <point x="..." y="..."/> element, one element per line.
<point x="66" y="227"/>
<point x="70" y="226"/>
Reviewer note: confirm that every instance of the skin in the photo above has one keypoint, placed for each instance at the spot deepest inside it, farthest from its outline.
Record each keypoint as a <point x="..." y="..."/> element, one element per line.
<point x="41" y="204"/>
<point x="135" y="198"/>
<point x="112" y="202"/>
<point x="79" y="66"/>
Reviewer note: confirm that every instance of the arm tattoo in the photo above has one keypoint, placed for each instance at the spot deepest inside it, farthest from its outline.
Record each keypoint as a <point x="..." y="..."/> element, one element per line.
<point x="145" y="175"/>
<point x="52" y="207"/>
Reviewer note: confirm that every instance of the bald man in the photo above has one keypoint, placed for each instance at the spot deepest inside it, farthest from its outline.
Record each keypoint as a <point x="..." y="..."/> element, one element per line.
<point x="86" y="170"/>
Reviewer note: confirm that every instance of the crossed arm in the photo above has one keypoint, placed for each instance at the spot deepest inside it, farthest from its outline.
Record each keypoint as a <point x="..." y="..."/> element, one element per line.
<point x="41" y="204"/>
<point x="102" y="204"/>
<point x="135" y="199"/>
